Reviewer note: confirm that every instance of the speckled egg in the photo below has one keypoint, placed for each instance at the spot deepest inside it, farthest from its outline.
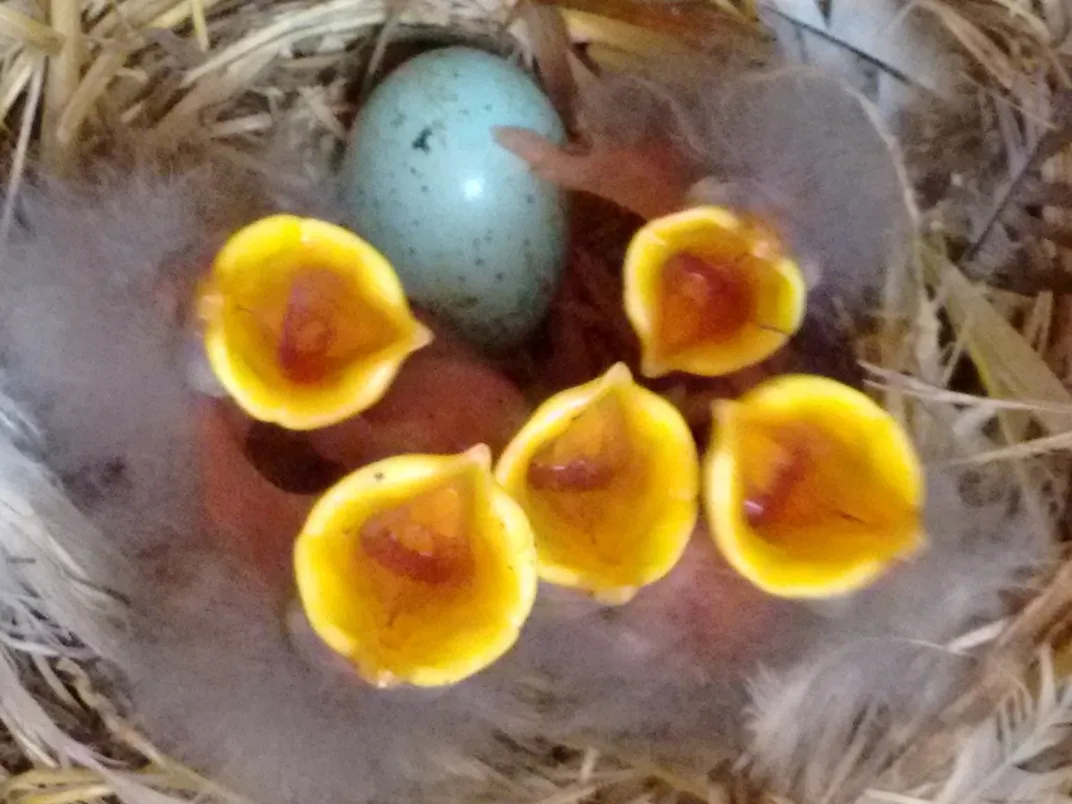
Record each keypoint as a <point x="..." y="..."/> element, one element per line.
<point x="473" y="235"/>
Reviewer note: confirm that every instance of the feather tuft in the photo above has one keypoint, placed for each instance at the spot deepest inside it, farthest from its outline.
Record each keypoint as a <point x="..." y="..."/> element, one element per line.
<point x="883" y="663"/>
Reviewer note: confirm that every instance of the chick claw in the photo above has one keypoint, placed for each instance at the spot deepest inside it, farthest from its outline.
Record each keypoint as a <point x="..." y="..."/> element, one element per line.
<point x="650" y="180"/>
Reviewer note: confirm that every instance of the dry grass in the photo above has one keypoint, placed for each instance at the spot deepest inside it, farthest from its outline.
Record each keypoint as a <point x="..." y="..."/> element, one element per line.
<point x="234" y="76"/>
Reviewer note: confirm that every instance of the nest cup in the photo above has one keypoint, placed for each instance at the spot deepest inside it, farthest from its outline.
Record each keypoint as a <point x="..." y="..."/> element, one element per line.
<point x="287" y="78"/>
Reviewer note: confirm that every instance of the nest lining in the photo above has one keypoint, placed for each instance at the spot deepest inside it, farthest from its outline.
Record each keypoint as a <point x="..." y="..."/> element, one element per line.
<point x="235" y="78"/>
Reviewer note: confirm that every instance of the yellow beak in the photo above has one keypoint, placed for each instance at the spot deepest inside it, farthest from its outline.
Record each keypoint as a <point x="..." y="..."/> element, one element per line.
<point x="419" y="569"/>
<point x="305" y="324"/>
<point x="811" y="489"/>
<point x="709" y="293"/>
<point x="609" y="477"/>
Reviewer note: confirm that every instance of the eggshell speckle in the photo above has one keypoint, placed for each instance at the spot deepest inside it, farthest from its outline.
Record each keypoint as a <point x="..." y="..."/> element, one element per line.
<point x="474" y="236"/>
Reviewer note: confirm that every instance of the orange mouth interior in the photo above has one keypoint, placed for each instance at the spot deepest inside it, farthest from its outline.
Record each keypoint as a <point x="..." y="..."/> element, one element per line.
<point x="581" y="483"/>
<point x="593" y="451"/>
<point x="800" y="480"/>
<point x="424" y="540"/>
<point x="701" y="298"/>
<point x="313" y="323"/>
<point x="784" y="477"/>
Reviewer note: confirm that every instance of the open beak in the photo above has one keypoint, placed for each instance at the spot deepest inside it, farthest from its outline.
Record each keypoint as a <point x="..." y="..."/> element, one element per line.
<point x="418" y="569"/>
<point x="811" y="489"/>
<point x="305" y="324"/>
<point x="709" y="293"/>
<point x="609" y="477"/>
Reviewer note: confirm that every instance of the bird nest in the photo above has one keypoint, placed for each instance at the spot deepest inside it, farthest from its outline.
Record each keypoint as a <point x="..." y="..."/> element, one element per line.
<point x="978" y="93"/>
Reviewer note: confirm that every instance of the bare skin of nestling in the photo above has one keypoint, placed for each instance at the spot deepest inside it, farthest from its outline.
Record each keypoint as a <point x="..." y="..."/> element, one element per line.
<point x="439" y="403"/>
<point x="713" y="614"/>
<point x="444" y="400"/>
<point x="650" y="179"/>
<point x="247" y="515"/>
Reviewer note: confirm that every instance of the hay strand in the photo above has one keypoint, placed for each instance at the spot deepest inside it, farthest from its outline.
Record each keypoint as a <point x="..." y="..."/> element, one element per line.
<point x="64" y="74"/>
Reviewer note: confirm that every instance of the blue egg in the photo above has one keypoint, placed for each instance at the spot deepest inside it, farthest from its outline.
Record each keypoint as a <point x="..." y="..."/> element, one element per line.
<point x="473" y="235"/>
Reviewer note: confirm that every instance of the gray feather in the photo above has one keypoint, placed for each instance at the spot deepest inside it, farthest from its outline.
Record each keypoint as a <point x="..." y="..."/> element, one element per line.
<point x="211" y="672"/>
